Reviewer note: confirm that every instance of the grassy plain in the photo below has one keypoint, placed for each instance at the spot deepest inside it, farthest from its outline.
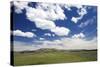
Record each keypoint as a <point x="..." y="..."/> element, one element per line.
<point x="53" y="56"/>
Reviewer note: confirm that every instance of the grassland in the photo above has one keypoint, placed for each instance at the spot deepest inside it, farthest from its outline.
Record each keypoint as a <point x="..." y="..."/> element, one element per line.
<point x="53" y="56"/>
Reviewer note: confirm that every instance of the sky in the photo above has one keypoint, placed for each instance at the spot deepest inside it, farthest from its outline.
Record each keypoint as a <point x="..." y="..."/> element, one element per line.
<point x="37" y="25"/>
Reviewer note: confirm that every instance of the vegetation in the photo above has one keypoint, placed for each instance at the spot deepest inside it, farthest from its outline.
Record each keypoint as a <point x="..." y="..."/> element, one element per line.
<point x="48" y="56"/>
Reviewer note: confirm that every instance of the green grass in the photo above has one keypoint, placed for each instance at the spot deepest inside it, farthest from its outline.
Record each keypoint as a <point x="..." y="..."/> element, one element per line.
<point x="33" y="58"/>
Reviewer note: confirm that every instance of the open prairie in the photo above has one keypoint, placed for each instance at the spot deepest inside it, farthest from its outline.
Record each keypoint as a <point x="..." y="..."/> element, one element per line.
<point x="49" y="56"/>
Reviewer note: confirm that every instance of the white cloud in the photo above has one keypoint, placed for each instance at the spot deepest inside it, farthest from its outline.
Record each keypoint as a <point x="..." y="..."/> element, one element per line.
<point x="53" y="35"/>
<point x="75" y="19"/>
<point x="61" y="31"/>
<point x="53" y="11"/>
<point x="80" y="43"/>
<point x="48" y="34"/>
<point x="64" y="43"/>
<point x="44" y="24"/>
<point x="19" y="6"/>
<point x="23" y="34"/>
<point x="81" y="11"/>
<point x="70" y="44"/>
<point x="44" y="16"/>
<point x="80" y="35"/>
<point x="68" y="6"/>
<point x="42" y="38"/>
<point x="46" y="11"/>
<point x="33" y="13"/>
<point x="22" y="46"/>
<point x="44" y="19"/>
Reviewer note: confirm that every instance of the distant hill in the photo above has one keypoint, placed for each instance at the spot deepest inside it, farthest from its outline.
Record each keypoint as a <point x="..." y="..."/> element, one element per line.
<point x="45" y="50"/>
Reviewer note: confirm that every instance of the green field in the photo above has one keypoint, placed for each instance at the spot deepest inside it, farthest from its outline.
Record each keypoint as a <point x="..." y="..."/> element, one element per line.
<point x="53" y="56"/>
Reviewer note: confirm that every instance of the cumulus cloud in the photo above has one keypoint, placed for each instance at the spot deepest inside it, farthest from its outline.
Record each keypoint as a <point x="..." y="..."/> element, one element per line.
<point x="50" y="25"/>
<point x="19" y="6"/>
<point x="46" y="11"/>
<point x="62" y="44"/>
<point x="81" y="11"/>
<point x="44" y="16"/>
<point x="80" y="35"/>
<point x="23" y="34"/>
<point x="53" y="11"/>
<point x="44" y="24"/>
<point x="61" y="31"/>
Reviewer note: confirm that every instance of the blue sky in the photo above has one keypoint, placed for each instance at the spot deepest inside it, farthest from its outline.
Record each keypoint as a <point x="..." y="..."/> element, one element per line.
<point x="34" y="22"/>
